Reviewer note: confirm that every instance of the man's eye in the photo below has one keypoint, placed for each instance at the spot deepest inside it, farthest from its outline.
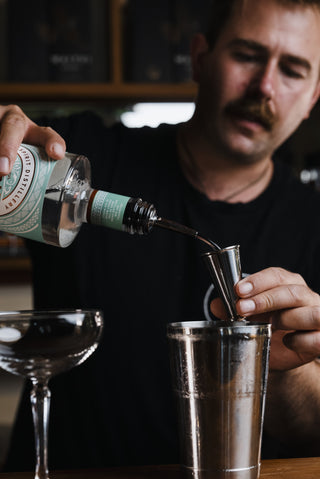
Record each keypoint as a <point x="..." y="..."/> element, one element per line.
<point x="291" y="72"/>
<point x="245" y="57"/>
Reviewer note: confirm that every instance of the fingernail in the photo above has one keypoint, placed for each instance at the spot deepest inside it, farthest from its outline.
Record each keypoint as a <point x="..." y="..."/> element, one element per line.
<point x="245" y="288"/>
<point x="4" y="165"/>
<point x="247" y="305"/>
<point x="58" y="150"/>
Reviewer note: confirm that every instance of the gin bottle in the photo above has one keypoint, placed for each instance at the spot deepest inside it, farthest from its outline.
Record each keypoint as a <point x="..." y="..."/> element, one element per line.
<point x="47" y="200"/>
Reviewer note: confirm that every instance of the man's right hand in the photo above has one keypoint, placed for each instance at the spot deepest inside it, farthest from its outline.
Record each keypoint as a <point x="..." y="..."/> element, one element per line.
<point x="16" y="128"/>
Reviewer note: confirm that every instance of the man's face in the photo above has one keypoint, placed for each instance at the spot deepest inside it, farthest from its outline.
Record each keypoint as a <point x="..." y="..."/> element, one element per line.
<point x="261" y="78"/>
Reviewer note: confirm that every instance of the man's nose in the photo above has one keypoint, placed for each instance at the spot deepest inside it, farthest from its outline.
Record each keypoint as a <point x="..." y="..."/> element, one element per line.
<point x="262" y="83"/>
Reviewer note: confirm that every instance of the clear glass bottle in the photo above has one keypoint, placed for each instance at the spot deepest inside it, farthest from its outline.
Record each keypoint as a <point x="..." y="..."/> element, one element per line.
<point x="47" y="200"/>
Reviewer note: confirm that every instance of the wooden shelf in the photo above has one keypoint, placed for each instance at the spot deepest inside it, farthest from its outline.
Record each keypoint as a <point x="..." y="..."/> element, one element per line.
<point x="13" y="92"/>
<point x="116" y="89"/>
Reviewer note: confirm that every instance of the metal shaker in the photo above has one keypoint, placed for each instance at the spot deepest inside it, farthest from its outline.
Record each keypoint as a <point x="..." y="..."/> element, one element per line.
<point x="219" y="375"/>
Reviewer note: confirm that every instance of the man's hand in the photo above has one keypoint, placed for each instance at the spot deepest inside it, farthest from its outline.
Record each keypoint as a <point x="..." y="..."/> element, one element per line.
<point x="292" y="307"/>
<point x="15" y="128"/>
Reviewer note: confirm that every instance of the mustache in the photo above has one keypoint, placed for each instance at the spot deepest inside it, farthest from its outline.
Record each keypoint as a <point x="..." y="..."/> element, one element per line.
<point x="258" y="111"/>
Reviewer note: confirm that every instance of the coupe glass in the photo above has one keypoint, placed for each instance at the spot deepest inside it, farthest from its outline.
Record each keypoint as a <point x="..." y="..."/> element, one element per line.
<point x="39" y="345"/>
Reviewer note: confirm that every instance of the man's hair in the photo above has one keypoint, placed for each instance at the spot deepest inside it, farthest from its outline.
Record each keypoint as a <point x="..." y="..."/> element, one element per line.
<point x="221" y="11"/>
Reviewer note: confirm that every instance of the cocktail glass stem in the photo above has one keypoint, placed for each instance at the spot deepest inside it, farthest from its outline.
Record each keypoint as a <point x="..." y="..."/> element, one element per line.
<point x="40" y="402"/>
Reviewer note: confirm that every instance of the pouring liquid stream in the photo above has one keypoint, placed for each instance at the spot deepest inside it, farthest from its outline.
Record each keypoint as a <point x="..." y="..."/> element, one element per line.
<point x="178" y="228"/>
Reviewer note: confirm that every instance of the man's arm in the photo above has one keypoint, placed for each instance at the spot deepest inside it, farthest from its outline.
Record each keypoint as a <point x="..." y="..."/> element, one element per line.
<point x="293" y="397"/>
<point x="15" y="128"/>
<point x="293" y="409"/>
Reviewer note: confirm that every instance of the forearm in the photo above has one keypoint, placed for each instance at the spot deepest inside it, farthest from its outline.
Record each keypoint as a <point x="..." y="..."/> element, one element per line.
<point x="293" y="408"/>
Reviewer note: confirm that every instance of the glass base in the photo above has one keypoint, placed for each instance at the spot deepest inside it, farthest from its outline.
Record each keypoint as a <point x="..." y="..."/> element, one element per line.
<point x="245" y="473"/>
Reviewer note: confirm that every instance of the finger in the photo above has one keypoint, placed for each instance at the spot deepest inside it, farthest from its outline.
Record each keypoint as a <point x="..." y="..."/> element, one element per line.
<point x="306" y="318"/>
<point x="217" y="309"/>
<point x="265" y="280"/>
<point x="16" y="127"/>
<point x="53" y="143"/>
<point x="280" y="297"/>
<point x="282" y="358"/>
<point x="13" y="127"/>
<point x="306" y="344"/>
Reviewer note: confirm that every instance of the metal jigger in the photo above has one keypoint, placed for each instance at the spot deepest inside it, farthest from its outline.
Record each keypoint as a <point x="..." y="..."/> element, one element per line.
<point x="225" y="270"/>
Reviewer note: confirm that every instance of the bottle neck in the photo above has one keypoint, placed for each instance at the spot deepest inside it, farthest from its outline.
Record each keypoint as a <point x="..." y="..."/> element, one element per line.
<point x="131" y="215"/>
<point x="139" y="217"/>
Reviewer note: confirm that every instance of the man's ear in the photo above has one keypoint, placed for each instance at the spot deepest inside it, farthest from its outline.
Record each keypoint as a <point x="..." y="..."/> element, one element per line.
<point x="314" y="99"/>
<point x="199" y="46"/>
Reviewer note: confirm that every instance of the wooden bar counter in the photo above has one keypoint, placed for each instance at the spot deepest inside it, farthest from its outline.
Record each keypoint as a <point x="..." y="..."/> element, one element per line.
<point x="308" y="468"/>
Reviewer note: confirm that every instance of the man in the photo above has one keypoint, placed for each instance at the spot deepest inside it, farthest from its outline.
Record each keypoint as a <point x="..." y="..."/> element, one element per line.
<point x="258" y="77"/>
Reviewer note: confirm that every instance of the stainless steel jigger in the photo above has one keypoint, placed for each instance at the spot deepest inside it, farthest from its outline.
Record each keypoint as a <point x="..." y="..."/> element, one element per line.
<point x="225" y="270"/>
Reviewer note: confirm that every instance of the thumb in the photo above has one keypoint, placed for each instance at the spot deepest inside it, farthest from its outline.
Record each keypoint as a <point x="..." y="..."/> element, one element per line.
<point x="218" y="310"/>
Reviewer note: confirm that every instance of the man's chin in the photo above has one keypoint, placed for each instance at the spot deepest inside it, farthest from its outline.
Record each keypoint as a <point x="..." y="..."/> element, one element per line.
<point x="246" y="152"/>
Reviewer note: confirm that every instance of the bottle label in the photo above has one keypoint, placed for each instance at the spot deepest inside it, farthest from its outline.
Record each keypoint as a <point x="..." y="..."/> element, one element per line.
<point x="22" y="193"/>
<point x="107" y="209"/>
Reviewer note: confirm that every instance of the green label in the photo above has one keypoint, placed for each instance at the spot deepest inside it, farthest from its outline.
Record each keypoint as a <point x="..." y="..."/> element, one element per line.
<point x="22" y="193"/>
<point x="108" y="209"/>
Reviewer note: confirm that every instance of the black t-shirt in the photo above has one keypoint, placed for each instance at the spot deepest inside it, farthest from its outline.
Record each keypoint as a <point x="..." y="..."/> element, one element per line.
<point x="118" y="407"/>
